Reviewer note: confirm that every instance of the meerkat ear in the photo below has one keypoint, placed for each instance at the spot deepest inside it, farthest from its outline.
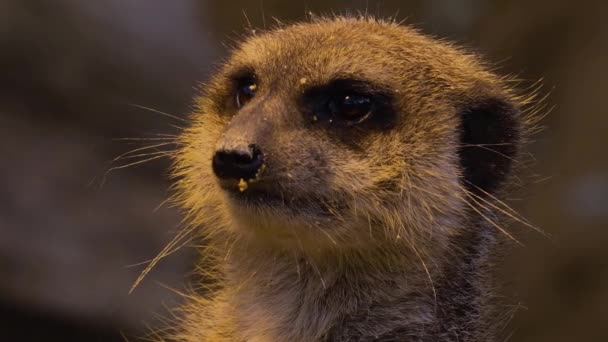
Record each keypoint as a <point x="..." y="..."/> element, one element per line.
<point x="490" y="138"/>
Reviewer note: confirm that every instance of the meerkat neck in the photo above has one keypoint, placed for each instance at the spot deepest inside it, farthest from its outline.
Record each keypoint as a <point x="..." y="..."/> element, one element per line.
<point x="304" y="295"/>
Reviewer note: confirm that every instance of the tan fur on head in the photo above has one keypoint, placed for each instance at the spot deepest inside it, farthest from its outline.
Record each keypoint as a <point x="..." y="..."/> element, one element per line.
<point x="364" y="223"/>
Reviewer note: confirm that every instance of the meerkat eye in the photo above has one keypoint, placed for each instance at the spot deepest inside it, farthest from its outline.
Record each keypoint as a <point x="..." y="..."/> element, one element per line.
<point x="349" y="102"/>
<point x="244" y="92"/>
<point x="351" y="108"/>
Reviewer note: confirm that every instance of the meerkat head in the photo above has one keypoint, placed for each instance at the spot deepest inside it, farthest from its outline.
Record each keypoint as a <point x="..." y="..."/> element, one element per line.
<point x="346" y="133"/>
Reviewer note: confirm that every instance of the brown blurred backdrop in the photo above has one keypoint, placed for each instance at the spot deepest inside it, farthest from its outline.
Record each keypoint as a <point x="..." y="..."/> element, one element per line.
<point x="72" y="73"/>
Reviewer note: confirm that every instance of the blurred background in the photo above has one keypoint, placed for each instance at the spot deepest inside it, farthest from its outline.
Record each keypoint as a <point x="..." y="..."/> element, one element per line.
<point x="75" y="76"/>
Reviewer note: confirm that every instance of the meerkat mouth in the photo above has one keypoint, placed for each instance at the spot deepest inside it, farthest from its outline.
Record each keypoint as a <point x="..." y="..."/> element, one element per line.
<point x="256" y="193"/>
<point x="258" y="196"/>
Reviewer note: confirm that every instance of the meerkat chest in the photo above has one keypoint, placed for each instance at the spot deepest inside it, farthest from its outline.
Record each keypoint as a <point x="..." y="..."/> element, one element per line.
<point x="283" y="317"/>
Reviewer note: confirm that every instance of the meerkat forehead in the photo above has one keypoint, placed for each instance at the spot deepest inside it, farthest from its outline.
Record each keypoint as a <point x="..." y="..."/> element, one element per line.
<point x="389" y="54"/>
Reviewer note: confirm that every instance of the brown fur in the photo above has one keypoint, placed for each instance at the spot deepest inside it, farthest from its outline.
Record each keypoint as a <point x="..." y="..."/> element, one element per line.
<point x="381" y="234"/>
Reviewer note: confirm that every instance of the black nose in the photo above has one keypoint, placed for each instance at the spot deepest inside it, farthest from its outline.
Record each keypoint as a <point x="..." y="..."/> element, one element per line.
<point x="239" y="163"/>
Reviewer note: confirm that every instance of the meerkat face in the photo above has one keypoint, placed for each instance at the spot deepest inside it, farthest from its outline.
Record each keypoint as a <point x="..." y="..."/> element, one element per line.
<point x="342" y="133"/>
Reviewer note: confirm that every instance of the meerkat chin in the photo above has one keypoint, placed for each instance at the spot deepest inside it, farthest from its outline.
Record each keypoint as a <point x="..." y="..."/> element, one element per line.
<point x="337" y="170"/>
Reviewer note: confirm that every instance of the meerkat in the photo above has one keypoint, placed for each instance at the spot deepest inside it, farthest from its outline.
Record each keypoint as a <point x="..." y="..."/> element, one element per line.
<point x="343" y="173"/>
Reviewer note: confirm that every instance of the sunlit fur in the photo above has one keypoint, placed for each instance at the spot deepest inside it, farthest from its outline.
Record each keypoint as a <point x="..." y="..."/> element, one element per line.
<point x="380" y="236"/>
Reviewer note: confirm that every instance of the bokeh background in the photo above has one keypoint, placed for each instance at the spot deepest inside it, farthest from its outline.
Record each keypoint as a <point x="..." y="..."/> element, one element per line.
<point x="74" y="75"/>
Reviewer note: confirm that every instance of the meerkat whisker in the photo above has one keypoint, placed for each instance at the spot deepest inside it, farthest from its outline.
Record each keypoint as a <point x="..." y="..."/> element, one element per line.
<point x="149" y="154"/>
<point x="502" y="230"/>
<point x="163" y="155"/>
<point x="145" y="139"/>
<point x="140" y="149"/>
<point x="506" y="211"/>
<point x="159" y="112"/>
<point x="167" y="250"/>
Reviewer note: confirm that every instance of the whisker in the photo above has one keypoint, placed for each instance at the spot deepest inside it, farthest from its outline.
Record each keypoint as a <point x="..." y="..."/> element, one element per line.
<point x="483" y="146"/>
<point x="136" y="163"/>
<point x="329" y="236"/>
<point x="426" y="270"/>
<point x="159" y="112"/>
<point x="318" y="272"/>
<point x="166" y="135"/>
<point x="167" y="153"/>
<point x="249" y="26"/>
<point x="297" y="262"/>
<point x="311" y="261"/>
<point x="146" y="139"/>
<point x="480" y="145"/>
<point x="137" y="264"/>
<point x="165" y="201"/>
<point x="477" y="210"/>
<point x="238" y="288"/>
<point x="506" y="212"/>
<point x="513" y="214"/>
<point x="544" y="179"/>
<point x="156" y="155"/>
<point x="229" y="250"/>
<point x="166" y="251"/>
<point x="489" y="220"/>
<point x="124" y="337"/>
<point x="138" y="150"/>
<point x="176" y="291"/>
<point x="263" y="14"/>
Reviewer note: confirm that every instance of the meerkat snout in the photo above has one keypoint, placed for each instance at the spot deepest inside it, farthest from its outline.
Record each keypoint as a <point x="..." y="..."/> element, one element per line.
<point x="240" y="162"/>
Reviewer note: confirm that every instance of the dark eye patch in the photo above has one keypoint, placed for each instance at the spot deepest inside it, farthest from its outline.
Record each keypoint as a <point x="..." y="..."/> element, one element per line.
<point x="348" y="102"/>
